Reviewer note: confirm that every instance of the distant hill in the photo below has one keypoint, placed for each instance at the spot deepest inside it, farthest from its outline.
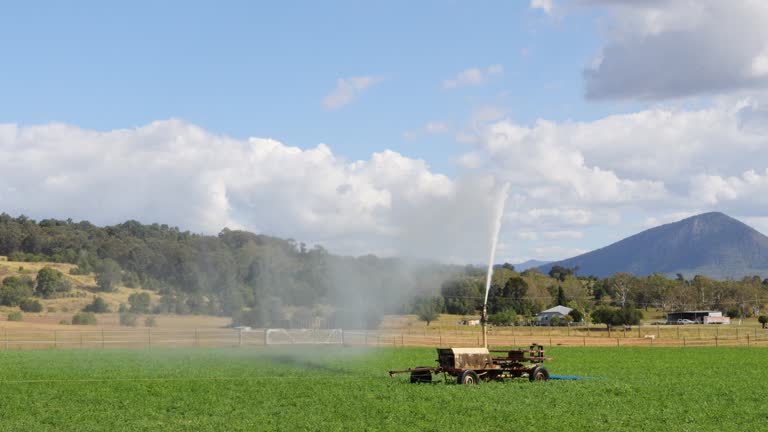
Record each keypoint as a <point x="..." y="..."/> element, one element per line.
<point x="530" y="264"/>
<point x="709" y="244"/>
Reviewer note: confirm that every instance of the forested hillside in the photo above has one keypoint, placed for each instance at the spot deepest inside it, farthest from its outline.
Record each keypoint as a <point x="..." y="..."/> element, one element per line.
<point x="257" y="279"/>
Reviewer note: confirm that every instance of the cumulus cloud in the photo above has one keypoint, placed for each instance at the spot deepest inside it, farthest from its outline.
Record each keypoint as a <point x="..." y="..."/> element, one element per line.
<point x="347" y="90"/>
<point x="627" y="172"/>
<point x="177" y="173"/>
<point x="544" y="5"/>
<point x="667" y="49"/>
<point x="473" y="77"/>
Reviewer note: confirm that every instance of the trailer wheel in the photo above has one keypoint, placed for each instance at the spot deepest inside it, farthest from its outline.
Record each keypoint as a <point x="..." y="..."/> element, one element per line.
<point x="418" y="377"/>
<point x="538" y="374"/>
<point x="468" y="377"/>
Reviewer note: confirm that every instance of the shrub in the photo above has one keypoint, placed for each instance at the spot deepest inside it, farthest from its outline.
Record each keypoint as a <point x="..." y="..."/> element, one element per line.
<point x="140" y="302"/>
<point x="15" y="289"/>
<point x="763" y="320"/>
<point x="97" y="306"/>
<point x="503" y="318"/>
<point x="51" y="281"/>
<point x="31" y="305"/>
<point x="51" y="309"/>
<point x="150" y="321"/>
<point x="15" y="316"/>
<point x="64" y="322"/>
<point x="84" y="318"/>
<point x="128" y="319"/>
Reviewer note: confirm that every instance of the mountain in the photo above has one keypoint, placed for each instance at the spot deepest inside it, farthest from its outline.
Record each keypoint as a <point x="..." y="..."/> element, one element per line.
<point x="709" y="244"/>
<point x="530" y="264"/>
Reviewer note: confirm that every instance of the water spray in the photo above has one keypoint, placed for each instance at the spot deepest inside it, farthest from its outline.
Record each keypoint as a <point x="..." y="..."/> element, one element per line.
<point x="494" y="241"/>
<point x="471" y="365"/>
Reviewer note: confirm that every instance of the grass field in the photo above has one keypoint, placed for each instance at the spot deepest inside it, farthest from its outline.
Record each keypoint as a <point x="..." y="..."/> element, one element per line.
<point x="347" y="389"/>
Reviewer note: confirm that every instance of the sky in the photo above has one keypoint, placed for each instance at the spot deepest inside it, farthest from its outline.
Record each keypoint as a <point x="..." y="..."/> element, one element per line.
<point x="388" y="127"/>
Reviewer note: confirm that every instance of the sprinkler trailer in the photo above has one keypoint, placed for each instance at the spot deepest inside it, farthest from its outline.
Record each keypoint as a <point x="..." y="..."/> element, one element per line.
<point x="470" y="365"/>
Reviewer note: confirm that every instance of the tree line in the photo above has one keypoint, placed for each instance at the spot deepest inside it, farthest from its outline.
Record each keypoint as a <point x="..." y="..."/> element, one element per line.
<point x="257" y="279"/>
<point x="516" y="297"/>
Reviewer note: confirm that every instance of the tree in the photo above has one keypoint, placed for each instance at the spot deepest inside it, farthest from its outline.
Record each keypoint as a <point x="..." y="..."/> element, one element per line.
<point x="763" y="320"/>
<point x="15" y="289"/>
<point x="97" y="306"/>
<point x="503" y="318"/>
<point x="84" y="318"/>
<point x="30" y="305"/>
<point x="604" y="315"/>
<point x="49" y="281"/>
<point x="511" y="296"/>
<point x="128" y="319"/>
<point x="108" y="275"/>
<point x="428" y="308"/>
<point x="462" y="296"/>
<point x="576" y="315"/>
<point x="560" y="272"/>
<point x="140" y="302"/>
<point x="561" y="299"/>
<point x="611" y="316"/>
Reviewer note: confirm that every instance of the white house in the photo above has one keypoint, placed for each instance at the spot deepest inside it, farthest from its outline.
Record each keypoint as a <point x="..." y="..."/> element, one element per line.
<point x="544" y="317"/>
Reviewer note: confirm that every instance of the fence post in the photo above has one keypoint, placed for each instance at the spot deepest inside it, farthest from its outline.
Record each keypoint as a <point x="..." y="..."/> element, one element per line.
<point x="5" y="333"/>
<point x="617" y="342"/>
<point x="585" y="340"/>
<point x="717" y="344"/>
<point x="747" y="339"/>
<point x="684" y="344"/>
<point x="240" y="337"/>
<point x="102" y="338"/>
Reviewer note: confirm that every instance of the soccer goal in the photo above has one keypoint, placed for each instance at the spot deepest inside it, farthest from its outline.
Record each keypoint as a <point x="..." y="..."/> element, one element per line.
<point x="279" y="336"/>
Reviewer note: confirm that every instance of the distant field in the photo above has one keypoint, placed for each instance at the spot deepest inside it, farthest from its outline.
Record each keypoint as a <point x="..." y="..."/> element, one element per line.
<point x="311" y="389"/>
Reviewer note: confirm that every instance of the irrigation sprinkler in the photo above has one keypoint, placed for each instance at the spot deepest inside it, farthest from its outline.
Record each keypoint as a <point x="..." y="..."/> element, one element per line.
<point x="471" y="365"/>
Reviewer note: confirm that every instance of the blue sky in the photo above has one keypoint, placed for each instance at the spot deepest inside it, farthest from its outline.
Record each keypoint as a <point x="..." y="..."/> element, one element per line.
<point x="639" y="105"/>
<point x="263" y="68"/>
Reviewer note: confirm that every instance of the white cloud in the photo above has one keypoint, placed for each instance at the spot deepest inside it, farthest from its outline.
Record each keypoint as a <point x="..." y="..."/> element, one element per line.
<point x="555" y="253"/>
<point x="655" y="221"/>
<point x="436" y="127"/>
<point x="176" y="173"/>
<point x="430" y="128"/>
<point x="347" y="90"/>
<point x="563" y="235"/>
<point x="473" y="77"/>
<point x="545" y="5"/>
<point x="669" y="48"/>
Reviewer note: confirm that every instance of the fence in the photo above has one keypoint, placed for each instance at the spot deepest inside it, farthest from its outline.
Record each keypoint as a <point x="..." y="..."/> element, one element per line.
<point x="148" y="338"/>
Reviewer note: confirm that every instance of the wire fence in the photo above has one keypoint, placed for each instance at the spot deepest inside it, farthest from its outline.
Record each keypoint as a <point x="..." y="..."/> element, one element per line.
<point x="148" y="338"/>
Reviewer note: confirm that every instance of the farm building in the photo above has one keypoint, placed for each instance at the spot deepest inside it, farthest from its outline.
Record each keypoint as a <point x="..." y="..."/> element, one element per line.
<point x="544" y="317"/>
<point x="699" y="317"/>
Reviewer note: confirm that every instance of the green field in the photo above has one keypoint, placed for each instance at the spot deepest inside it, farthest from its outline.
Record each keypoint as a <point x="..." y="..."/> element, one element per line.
<point x="345" y="389"/>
